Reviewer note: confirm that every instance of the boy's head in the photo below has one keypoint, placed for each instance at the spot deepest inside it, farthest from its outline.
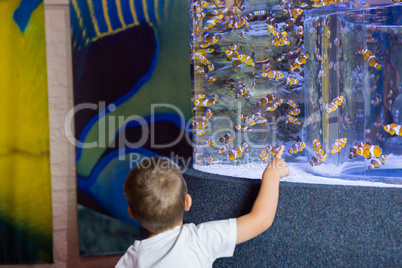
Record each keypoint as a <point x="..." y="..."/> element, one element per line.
<point x="156" y="194"/>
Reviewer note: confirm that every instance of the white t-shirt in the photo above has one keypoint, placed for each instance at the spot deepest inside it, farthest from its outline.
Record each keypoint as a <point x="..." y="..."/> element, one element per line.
<point x="187" y="246"/>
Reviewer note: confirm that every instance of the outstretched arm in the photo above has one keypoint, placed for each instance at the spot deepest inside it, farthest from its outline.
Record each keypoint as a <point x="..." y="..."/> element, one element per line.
<point x="263" y="211"/>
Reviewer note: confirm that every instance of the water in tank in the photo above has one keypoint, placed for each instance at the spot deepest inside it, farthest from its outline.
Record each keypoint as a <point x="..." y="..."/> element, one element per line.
<point x="321" y="79"/>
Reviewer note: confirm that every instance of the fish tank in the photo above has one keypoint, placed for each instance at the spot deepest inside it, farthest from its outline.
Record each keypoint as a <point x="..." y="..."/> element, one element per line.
<point x="323" y="80"/>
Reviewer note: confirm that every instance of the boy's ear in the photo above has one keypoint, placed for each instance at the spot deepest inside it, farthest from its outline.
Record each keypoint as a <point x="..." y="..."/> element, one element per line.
<point x="129" y="213"/>
<point x="188" y="202"/>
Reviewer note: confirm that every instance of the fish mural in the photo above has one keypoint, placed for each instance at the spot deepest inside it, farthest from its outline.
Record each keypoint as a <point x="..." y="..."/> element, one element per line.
<point x="317" y="85"/>
<point x="131" y="80"/>
<point x="26" y="231"/>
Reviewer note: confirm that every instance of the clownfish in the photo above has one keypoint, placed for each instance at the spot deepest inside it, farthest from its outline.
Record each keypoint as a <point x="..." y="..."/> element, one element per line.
<point x="375" y="163"/>
<point x="243" y="128"/>
<point x="291" y="103"/>
<point x="318" y="147"/>
<point x="199" y="125"/>
<point x="293" y="120"/>
<point x="294" y="112"/>
<point x="368" y="150"/>
<point x="339" y="144"/>
<point x="271" y="74"/>
<point x="209" y="142"/>
<point x="264" y="156"/>
<point x="247" y="60"/>
<point x="235" y="153"/>
<point x="371" y="58"/>
<point x="208" y="115"/>
<point x="232" y="54"/>
<point x="274" y="106"/>
<point x="266" y="100"/>
<point x="291" y="81"/>
<point x="209" y="79"/>
<point x="376" y="99"/>
<point x="228" y="137"/>
<point x="298" y="147"/>
<point x="233" y="47"/>
<point x="281" y="41"/>
<point x="315" y="160"/>
<point x="333" y="106"/>
<point x="223" y="149"/>
<point x="353" y="150"/>
<point x="393" y="129"/>
<point x="200" y="132"/>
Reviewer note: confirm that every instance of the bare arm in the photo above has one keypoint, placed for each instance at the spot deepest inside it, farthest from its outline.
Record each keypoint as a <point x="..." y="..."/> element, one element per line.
<point x="263" y="211"/>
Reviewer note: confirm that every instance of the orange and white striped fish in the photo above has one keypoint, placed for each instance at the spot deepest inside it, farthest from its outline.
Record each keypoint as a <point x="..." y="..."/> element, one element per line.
<point x="267" y="100"/>
<point x="271" y="74"/>
<point x="270" y="149"/>
<point x="197" y="158"/>
<point x="272" y="30"/>
<point x="233" y="47"/>
<point x="302" y="58"/>
<point x="294" y="67"/>
<point x="281" y="40"/>
<point x="199" y="70"/>
<point x="199" y="124"/>
<point x="243" y="128"/>
<point x="375" y="163"/>
<point x="208" y="115"/>
<point x="376" y="99"/>
<point x="393" y="129"/>
<point x="291" y="103"/>
<point x="318" y="147"/>
<point x="294" y="112"/>
<point x="291" y="81"/>
<point x="370" y="57"/>
<point x="297" y="147"/>
<point x="204" y="51"/>
<point x="368" y="150"/>
<point x="274" y="106"/>
<point x="204" y="60"/>
<point x="223" y="149"/>
<point x="264" y="156"/>
<point x="235" y="153"/>
<point x="201" y="100"/>
<point x="211" y="38"/>
<point x="333" y="106"/>
<point x="242" y="92"/>
<point x="293" y="120"/>
<point x="210" y="159"/>
<point x="339" y="144"/>
<point x="209" y="142"/>
<point x="227" y="137"/>
<point x="200" y="132"/>
<point x="247" y="60"/>
<point x="315" y="160"/>
<point x="209" y="79"/>
<point x="353" y="150"/>
<point x="232" y="54"/>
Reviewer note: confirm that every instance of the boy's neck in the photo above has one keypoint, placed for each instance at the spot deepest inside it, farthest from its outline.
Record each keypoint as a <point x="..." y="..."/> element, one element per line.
<point x="167" y="229"/>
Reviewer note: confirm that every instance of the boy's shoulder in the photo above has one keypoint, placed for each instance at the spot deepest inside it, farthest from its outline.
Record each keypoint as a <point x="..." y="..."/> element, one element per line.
<point x="205" y="241"/>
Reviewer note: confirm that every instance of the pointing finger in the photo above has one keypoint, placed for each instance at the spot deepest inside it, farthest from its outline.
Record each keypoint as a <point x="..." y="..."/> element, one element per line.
<point x="280" y="152"/>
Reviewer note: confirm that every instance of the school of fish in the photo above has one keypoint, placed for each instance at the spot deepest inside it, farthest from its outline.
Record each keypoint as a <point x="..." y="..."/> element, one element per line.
<point x="211" y="19"/>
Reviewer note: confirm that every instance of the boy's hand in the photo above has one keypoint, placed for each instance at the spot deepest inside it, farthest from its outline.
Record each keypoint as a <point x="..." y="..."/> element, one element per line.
<point x="263" y="211"/>
<point x="278" y="164"/>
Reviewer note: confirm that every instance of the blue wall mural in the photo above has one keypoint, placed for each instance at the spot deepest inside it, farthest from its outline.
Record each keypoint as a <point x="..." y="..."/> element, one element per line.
<point x="132" y="100"/>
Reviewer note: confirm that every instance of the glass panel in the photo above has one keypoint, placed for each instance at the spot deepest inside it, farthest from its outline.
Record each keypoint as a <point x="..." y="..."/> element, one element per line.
<point x="266" y="74"/>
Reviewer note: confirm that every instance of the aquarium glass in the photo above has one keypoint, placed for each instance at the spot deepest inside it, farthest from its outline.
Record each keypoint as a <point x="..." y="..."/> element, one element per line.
<point x="321" y="79"/>
<point x="352" y="92"/>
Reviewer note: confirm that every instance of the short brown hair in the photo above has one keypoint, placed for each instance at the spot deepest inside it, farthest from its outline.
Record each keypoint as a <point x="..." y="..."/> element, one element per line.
<point x="156" y="191"/>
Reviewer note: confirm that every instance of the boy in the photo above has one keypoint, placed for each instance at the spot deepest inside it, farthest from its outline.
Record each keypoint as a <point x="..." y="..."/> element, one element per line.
<point x="157" y="196"/>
